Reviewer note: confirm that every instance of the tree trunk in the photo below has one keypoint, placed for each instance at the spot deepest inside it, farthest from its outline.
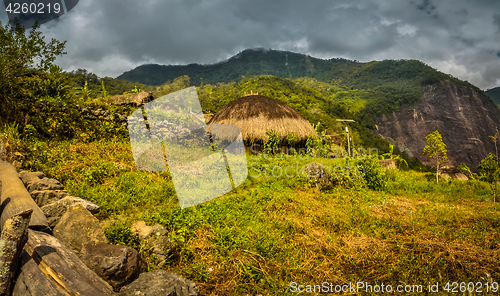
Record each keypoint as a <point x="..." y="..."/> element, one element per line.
<point x="14" y="199"/>
<point x="437" y="173"/>
<point x="496" y="149"/>
<point x="494" y="191"/>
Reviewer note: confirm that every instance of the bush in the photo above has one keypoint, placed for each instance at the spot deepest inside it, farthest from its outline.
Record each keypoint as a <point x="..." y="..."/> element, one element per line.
<point x="349" y="176"/>
<point x="120" y="234"/>
<point x="11" y="136"/>
<point x="374" y="174"/>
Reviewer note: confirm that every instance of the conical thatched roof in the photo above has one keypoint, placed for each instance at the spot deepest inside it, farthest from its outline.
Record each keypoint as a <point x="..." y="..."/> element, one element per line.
<point x="255" y="114"/>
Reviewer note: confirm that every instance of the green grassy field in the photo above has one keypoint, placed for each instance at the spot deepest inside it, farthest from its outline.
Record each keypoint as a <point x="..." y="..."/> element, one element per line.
<point x="272" y="231"/>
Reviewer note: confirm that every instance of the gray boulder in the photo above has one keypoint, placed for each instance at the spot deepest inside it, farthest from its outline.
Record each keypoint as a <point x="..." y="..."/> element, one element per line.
<point x="56" y="210"/>
<point x="160" y="283"/>
<point x="45" y="184"/>
<point x="154" y="238"/>
<point x="77" y="228"/>
<point x="117" y="265"/>
<point x="28" y="177"/>
<point x="46" y="197"/>
<point x="317" y="176"/>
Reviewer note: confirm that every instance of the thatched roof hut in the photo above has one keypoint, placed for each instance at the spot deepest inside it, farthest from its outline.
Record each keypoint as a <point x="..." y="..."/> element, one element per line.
<point x="255" y="114"/>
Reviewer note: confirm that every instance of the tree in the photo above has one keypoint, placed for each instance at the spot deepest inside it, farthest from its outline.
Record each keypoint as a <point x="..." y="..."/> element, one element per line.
<point x="490" y="172"/>
<point x="53" y="83"/>
<point x="436" y="151"/>
<point x="20" y="52"/>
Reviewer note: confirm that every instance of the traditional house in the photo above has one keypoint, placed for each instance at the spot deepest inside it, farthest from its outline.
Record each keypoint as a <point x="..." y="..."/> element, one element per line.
<point x="256" y="115"/>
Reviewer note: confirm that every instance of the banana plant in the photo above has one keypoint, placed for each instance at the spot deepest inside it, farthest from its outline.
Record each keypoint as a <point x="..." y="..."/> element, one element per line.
<point x="397" y="158"/>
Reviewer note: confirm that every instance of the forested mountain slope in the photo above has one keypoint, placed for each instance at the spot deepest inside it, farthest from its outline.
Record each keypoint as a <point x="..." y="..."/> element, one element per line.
<point x="494" y="95"/>
<point x="400" y="100"/>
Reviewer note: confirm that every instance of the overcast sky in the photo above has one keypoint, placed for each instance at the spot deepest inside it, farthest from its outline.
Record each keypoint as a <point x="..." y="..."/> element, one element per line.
<point x="108" y="37"/>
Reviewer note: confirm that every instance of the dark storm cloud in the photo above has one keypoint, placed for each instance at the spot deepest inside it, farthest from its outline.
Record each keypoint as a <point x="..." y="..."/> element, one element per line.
<point x="426" y="6"/>
<point x="496" y="21"/>
<point x="109" y="37"/>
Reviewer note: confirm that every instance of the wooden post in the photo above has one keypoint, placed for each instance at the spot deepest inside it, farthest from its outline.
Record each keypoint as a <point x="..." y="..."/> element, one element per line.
<point x="348" y="136"/>
<point x="14" y="198"/>
<point x="348" y="142"/>
<point x="14" y="236"/>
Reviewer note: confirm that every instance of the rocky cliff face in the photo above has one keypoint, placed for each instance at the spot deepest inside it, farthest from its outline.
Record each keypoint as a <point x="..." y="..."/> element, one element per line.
<point x="464" y="117"/>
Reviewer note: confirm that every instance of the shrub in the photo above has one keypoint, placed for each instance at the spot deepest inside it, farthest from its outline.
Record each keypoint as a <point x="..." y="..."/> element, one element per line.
<point x="273" y="142"/>
<point x="349" y="176"/>
<point x="11" y="136"/>
<point x="374" y="173"/>
<point x="120" y="234"/>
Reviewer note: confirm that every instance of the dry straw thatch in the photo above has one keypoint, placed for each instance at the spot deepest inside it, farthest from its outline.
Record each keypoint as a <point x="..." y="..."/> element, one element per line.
<point x="255" y="114"/>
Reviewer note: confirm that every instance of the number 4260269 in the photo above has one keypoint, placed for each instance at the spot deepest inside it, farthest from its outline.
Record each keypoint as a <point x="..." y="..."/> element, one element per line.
<point x="33" y="8"/>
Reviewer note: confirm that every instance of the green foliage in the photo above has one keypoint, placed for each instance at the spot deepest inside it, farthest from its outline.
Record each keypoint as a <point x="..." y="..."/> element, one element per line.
<point x="317" y="101"/>
<point x="490" y="171"/>
<point x="11" y="136"/>
<point x="462" y="167"/>
<point x="273" y="142"/>
<point x="84" y="91"/>
<point x="118" y="233"/>
<point x="18" y="53"/>
<point x="374" y="173"/>
<point x="494" y="95"/>
<point x="104" y="92"/>
<point x="397" y="158"/>
<point x="95" y="84"/>
<point x="52" y="85"/>
<point x="133" y="91"/>
<point x="435" y="150"/>
<point x="291" y="138"/>
<point x="349" y="176"/>
<point x="170" y="87"/>
<point x="97" y="174"/>
<point x="270" y="232"/>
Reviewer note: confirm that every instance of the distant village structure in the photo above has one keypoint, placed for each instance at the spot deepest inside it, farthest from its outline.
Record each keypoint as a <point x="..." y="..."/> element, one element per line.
<point x="256" y="114"/>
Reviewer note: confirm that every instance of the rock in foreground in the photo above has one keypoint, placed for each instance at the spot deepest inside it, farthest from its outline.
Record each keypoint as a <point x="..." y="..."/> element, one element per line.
<point x="154" y="238"/>
<point x="160" y="283"/>
<point x="56" y="210"/>
<point x="117" y="265"/>
<point x="77" y="228"/>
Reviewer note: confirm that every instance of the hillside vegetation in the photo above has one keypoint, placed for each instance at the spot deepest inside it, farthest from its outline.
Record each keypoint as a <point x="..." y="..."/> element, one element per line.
<point x="494" y="95"/>
<point x="287" y="64"/>
<point x="275" y="230"/>
<point x="394" y="227"/>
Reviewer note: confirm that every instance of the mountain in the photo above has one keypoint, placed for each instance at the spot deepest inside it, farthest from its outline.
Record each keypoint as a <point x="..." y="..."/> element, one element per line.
<point x="464" y="117"/>
<point x="247" y="63"/>
<point x="494" y="95"/>
<point x="400" y="101"/>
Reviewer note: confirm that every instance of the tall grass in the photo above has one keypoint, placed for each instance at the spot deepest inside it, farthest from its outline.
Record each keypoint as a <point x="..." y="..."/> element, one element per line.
<point x="273" y="229"/>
